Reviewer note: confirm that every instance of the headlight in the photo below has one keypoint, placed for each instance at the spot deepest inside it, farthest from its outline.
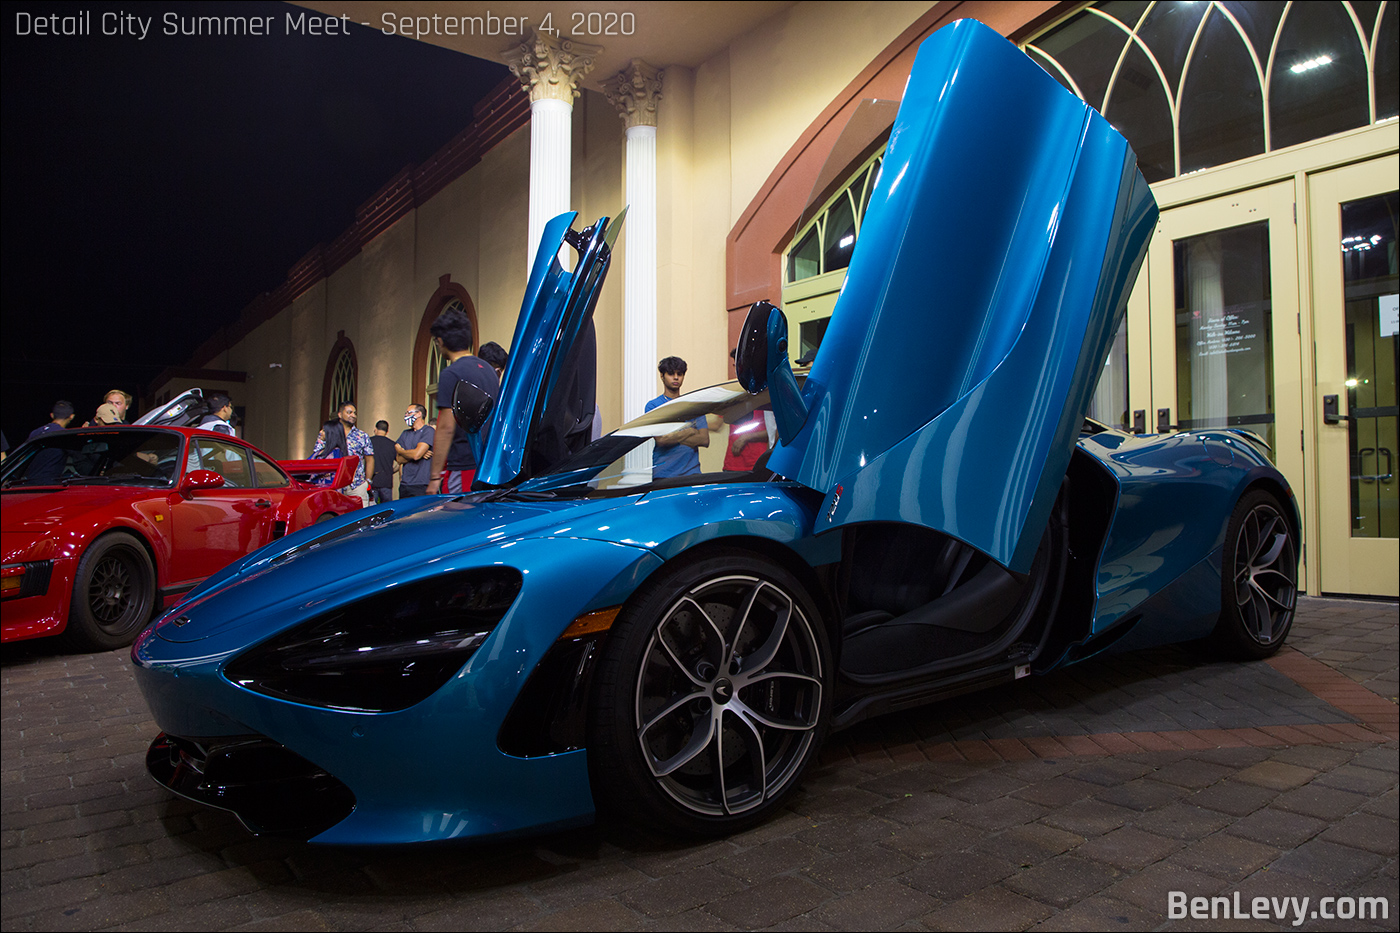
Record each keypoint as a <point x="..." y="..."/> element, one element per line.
<point x="386" y="652"/>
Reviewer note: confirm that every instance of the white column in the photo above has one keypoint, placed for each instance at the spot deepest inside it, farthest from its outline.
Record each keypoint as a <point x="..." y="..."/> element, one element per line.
<point x="550" y="159"/>
<point x="550" y="69"/>
<point x="635" y="92"/>
<point x="639" y="282"/>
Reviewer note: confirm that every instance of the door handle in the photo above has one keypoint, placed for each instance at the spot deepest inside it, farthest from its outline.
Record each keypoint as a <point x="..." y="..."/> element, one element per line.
<point x="1332" y="410"/>
<point x="263" y="504"/>
<point x="1139" y="421"/>
<point x="1385" y="477"/>
<point x="1164" y="419"/>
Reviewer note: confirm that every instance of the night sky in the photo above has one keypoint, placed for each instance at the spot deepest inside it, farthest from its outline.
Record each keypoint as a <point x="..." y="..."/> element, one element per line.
<point x="153" y="187"/>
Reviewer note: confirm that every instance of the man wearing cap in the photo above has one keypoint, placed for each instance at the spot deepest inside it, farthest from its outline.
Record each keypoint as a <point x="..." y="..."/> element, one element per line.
<point x="112" y="410"/>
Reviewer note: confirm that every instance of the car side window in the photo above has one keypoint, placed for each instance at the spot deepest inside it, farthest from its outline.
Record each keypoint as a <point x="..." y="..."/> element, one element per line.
<point x="228" y="460"/>
<point x="267" y="474"/>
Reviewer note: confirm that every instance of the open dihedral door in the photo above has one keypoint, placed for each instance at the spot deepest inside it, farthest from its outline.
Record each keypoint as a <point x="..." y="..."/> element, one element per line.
<point x="992" y="270"/>
<point x="546" y="403"/>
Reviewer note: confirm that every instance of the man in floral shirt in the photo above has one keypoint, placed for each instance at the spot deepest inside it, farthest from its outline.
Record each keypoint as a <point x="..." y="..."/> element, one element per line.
<point x="356" y="444"/>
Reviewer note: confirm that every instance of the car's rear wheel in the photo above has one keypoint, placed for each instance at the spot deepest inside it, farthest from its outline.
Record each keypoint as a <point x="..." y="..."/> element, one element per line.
<point x="1259" y="586"/>
<point x="113" y="594"/>
<point x="712" y="698"/>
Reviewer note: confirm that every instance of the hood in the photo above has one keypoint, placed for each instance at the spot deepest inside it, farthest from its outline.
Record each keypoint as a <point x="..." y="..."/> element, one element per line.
<point x="544" y="411"/>
<point x="991" y="272"/>
<point x="42" y="510"/>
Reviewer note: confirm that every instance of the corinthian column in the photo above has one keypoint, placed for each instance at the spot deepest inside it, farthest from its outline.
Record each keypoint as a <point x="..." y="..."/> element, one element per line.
<point x="635" y="92"/>
<point x="550" y="69"/>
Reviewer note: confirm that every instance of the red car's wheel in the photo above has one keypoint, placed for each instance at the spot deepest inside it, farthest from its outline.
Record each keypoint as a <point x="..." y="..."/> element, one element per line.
<point x="113" y="594"/>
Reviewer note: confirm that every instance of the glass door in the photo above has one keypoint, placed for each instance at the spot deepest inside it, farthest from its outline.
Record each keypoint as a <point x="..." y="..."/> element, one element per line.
<point x="1355" y="291"/>
<point x="1225" y="322"/>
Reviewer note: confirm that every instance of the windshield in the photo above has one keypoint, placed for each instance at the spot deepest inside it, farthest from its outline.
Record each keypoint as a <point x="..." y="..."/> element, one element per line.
<point x="121" y="458"/>
<point x="721" y="433"/>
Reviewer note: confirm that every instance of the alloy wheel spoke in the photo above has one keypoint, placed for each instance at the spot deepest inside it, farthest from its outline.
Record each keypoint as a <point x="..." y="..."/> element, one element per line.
<point x="760" y="659"/>
<point x="1269" y="558"/>
<point x="1270" y="597"/>
<point x="1263" y="618"/>
<point x="753" y="739"/>
<point x="675" y="661"/>
<point x="677" y="704"/>
<point x="699" y="741"/>
<point x="739" y="627"/>
<point x="719" y="636"/>
<point x="751" y="715"/>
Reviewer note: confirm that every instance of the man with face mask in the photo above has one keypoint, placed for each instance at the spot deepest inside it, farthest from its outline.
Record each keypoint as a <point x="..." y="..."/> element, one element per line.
<point x="415" y="451"/>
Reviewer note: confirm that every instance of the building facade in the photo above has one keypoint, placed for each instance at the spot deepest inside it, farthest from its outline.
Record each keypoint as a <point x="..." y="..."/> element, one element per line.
<point x="745" y="147"/>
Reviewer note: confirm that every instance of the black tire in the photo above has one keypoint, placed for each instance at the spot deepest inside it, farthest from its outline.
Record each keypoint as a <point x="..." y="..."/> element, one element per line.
<point x="324" y="517"/>
<point x="1259" y="579"/>
<point x="712" y="697"/>
<point x="113" y="594"/>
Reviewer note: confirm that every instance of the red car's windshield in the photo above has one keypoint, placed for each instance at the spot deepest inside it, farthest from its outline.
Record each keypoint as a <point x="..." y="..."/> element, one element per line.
<point x="125" y="457"/>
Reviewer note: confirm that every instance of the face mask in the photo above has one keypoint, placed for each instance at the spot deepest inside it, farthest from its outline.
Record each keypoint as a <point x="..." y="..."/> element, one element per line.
<point x="409" y="418"/>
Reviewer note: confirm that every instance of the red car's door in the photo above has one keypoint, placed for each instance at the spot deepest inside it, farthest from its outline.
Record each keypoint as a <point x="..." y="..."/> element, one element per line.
<point x="214" y="527"/>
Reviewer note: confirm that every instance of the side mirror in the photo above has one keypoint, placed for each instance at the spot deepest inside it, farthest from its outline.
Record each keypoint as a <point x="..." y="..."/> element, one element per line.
<point x="751" y="355"/>
<point x="471" y="406"/>
<point x="761" y="361"/>
<point x="196" y="480"/>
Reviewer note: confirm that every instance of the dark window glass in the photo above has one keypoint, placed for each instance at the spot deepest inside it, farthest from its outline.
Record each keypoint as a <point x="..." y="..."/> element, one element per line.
<point x="228" y="460"/>
<point x="1137" y="108"/>
<point x="811" y="334"/>
<point x="1127" y="12"/>
<point x="1224" y="340"/>
<point x="116" y="458"/>
<point x="840" y="234"/>
<point x="266" y="474"/>
<point x="1373" y="355"/>
<point x="1259" y="20"/>
<point x="1222" y="110"/>
<point x="1167" y="31"/>
<point x="805" y="259"/>
<point x="1087" y="46"/>
<point x="1366" y="11"/>
<point x="1050" y="69"/>
<point x="1388" y="66"/>
<point x="1319" y="78"/>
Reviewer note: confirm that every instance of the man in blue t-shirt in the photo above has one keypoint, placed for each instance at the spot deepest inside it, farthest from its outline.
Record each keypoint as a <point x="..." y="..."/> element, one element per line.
<point x="677" y="453"/>
<point x="454" y="464"/>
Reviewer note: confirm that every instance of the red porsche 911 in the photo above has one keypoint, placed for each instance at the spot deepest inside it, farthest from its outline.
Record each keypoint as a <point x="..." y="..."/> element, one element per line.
<point x="104" y="525"/>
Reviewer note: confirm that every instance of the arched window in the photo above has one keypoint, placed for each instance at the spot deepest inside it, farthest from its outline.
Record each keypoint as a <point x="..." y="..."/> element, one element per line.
<point x="342" y="380"/>
<point x="428" y="361"/>
<point x="815" y="264"/>
<point x="1195" y="85"/>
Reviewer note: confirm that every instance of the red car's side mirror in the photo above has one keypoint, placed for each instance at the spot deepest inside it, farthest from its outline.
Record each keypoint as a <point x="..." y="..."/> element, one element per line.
<point x="200" y="479"/>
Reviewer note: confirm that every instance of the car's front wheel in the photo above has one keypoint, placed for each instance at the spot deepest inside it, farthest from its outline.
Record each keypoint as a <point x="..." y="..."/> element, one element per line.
<point x="113" y="594"/>
<point x="1259" y="589"/>
<point x="712" y="697"/>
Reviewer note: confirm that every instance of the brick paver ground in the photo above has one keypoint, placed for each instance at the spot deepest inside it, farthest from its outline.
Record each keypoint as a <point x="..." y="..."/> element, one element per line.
<point x="1075" y="801"/>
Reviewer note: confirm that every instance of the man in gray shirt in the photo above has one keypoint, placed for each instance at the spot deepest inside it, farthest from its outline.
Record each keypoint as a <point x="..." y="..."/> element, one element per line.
<point x="415" y="451"/>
